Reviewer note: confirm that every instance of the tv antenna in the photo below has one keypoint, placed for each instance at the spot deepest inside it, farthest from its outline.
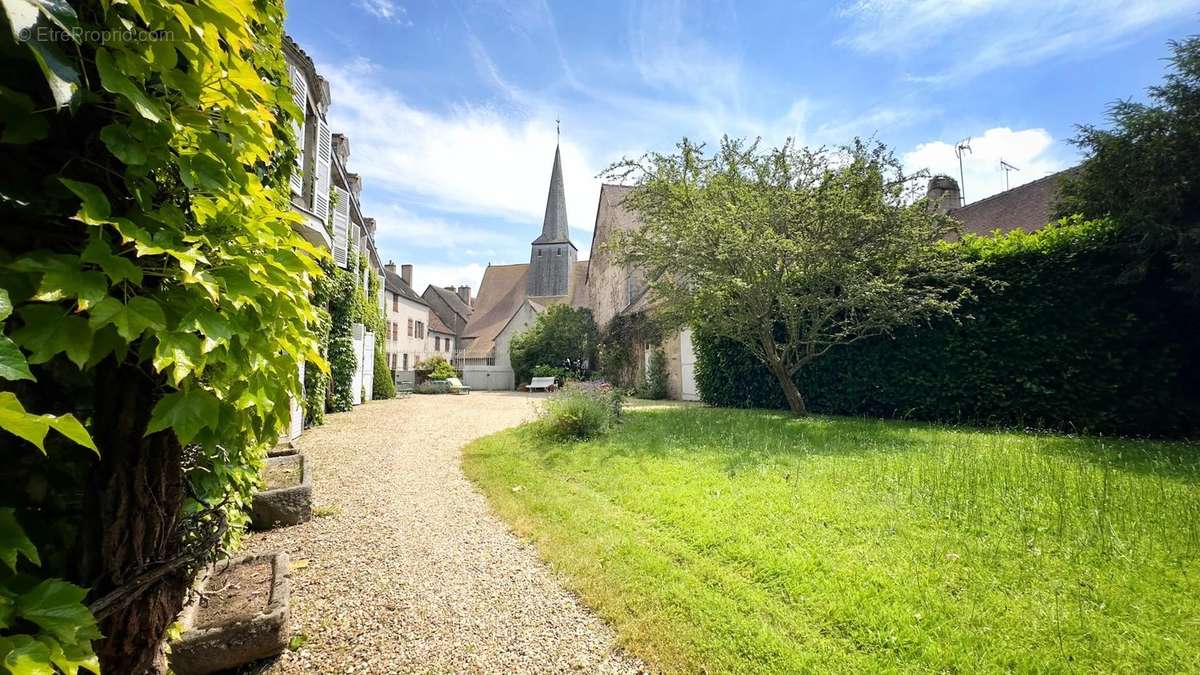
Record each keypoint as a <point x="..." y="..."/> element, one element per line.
<point x="1006" y="167"/>
<point x="962" y="146"/>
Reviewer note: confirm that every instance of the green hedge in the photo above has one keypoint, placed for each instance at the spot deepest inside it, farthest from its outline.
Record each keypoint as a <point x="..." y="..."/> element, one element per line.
<point x="1065" y="343"/>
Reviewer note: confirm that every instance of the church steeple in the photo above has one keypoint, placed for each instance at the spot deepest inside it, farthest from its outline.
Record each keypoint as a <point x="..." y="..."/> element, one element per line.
<point x="552" y="255"/>
<point x="554" y="225"/>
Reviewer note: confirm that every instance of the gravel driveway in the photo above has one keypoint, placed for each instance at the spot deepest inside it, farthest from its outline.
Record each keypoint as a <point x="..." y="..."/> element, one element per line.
<point x="408" y="569"/>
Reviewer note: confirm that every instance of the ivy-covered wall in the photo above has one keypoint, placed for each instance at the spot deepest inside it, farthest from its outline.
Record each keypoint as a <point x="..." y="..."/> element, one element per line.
<point x="1065" y="343"/>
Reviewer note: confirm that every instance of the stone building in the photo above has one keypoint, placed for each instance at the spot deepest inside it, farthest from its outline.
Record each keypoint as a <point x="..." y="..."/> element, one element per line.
<point x="1028" y="207"/>
<point x="325" y="194"/>
<point x="450" y="312"/>
<point x="511" y="296"/>
<point x="406" y="319"/>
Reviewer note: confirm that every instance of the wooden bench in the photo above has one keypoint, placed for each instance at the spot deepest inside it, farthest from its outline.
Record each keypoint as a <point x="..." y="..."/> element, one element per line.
<point x="542" y="384"/>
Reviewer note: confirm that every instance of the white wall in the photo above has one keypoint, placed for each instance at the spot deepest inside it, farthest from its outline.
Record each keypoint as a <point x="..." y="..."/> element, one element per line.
<point x="402" y="344"/>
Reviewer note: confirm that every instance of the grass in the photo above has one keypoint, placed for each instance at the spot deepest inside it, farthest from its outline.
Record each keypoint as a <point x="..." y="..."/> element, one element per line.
<point x="745" y="541"/>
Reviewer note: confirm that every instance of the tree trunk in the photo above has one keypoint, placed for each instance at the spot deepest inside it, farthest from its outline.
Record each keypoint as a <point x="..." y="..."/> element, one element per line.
<point x="134" y="497"/>
<point x="790" y="391"/>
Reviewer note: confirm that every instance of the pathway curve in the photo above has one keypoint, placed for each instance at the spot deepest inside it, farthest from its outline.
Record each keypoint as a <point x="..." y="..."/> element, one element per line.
<point x="407" y="567"/>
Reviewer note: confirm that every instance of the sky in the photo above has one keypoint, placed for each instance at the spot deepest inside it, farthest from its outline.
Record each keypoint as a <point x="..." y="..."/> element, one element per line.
<point x="451" y="106"/>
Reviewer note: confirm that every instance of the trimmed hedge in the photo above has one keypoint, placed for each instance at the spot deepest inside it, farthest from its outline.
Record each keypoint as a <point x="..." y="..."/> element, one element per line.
<point x="1065" y="343"/>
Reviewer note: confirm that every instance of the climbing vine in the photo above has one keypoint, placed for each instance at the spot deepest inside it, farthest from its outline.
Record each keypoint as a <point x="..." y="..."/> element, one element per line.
<point x="155" y="307"/>
<point x="620" y="347"/>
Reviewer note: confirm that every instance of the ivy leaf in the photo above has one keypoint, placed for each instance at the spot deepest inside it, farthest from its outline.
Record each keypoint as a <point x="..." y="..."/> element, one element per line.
<point x="70" y="658"/>
<point x="13" y="541"/>
<point x="123" y="145"/>
<point x="117" y="82"/>
<point x="185" y="412"/>
<point x="95" y="207"/>
<point x="5" y="304"/>
<point x="33" y="428"/>
<point x="21" y="124"/>
<point x="25" y="656"/>
<point x="49" y="330"/>
<point x="57" y="608"/>
<point x="118" y="268"/>
<point x="70" y="282"/>
<point x="130" y="319"/>
<point x="8" y="609"/>
<point x="61" y="14"/>
<point x="12" y="362"/>
<point x="181" y="349"/>
<point x="60" y="74"/>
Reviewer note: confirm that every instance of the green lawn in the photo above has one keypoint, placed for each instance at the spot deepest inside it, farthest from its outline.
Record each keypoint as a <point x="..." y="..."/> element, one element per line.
<point x="738" y="541"/>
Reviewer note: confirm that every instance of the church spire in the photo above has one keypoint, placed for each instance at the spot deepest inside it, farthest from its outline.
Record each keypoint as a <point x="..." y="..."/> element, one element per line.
<point x="554" y="225"/>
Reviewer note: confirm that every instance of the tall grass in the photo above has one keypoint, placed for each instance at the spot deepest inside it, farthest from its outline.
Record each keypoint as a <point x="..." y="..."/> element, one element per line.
<point x="749" y="541"/>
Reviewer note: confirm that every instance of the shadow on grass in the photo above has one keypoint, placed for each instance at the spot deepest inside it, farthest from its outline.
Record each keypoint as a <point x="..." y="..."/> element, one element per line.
<point x="748" y="438"/>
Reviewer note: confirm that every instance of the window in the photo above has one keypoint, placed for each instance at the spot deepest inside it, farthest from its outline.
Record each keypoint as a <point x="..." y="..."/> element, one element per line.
<point x="420" y="330"/>
<point x="437" y="343"/>
<point x="558" y="251"/>
<point x="539" y="252"/>
<point x="410" y="329"/>
<point x="395" y="302"/>
<point x="405" y="362"/>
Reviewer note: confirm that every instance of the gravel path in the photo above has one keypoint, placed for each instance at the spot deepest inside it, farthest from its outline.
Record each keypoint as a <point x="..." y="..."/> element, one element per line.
<point x="408" y="569"/>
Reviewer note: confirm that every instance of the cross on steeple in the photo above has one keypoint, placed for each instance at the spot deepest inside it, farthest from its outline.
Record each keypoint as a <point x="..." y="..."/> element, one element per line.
<point x="557" y="130"/>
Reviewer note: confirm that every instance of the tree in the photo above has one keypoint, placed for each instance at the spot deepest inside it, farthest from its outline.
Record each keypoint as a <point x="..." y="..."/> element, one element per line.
<point x="790" y="252"/>
<point x="562" y="337"/>
<point x="155" y="309"/>
<point x="1144" y="173"/>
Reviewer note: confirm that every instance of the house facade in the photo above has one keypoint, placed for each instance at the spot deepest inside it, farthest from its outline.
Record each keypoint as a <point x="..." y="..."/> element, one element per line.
<point x="407" y="322"/>
<point x="326" y="197"/>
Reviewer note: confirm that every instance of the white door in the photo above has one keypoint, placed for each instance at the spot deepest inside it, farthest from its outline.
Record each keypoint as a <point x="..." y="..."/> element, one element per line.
<point x="687" y="366"/>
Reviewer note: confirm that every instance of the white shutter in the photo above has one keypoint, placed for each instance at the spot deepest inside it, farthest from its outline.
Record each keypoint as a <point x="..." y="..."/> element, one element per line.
<point x="300" y="96"/>
<point x="341" y="227"/>
<point x="369" y="364"/>
<point x="356" y="335"/>
<point x="323" y="164"/>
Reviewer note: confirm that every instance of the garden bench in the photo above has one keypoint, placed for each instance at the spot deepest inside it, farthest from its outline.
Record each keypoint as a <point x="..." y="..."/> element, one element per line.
<point x="456" y="386"/>
<point x="542" y="383"/>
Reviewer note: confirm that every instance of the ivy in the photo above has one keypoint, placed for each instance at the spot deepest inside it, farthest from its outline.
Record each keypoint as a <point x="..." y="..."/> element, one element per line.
<point x="148" y="259"/>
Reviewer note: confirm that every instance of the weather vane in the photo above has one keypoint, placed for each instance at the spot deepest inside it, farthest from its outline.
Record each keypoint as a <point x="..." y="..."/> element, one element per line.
<point x="557" y="129"/>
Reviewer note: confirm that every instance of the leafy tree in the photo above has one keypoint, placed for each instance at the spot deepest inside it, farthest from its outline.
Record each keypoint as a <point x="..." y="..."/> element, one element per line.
<point x="1144" y="172"/>
<point x="790" y="252"/>
<point x="155" y="307"/>
<point x="562" y="337"/>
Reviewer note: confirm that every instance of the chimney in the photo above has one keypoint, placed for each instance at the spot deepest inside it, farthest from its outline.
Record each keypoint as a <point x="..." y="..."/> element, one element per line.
<point x="391" y="267"/>
<point x="464" y="292"/>
<point x="406" y="274"/>
<point x="370" y="223"/>
<point x="943" y="193"/>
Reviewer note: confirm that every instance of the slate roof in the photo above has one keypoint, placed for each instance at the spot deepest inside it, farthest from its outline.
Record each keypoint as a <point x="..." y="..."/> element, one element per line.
<point x="1029" y="207"/>
<point x="554" y="225"/>
<point x="395" y="283"/>
<point x="451" y="298"/>
<point x="501" y="292"/>
<point x="436" y="325"/>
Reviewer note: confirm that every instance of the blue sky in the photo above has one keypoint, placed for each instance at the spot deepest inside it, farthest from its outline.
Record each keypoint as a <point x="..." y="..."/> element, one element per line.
<point x="450" y="106"/>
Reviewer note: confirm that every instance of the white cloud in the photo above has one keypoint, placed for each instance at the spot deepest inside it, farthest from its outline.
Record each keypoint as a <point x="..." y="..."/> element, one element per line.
<point x="401" y="228"/>
<point x="1033" y="151"/>
<point x="387" y="10"/>
<point x="469" y="160"/>
<point x="425" y="275"/>
<point x="972" y="37"/>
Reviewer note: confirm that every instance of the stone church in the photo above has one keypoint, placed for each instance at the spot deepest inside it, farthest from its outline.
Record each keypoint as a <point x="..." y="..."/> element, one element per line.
<point x="511" y="296"/>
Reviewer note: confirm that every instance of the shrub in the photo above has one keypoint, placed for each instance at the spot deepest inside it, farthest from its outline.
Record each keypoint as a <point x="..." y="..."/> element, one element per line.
<point x="382" y="386"/>
<point x="561" y="336"/>
<point x="1064" y="344"/>
<point x="560" y="375"/>
<point x="581" y="410"/>
<point x="654" y="383"/>
<point x="435" y="368"/>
